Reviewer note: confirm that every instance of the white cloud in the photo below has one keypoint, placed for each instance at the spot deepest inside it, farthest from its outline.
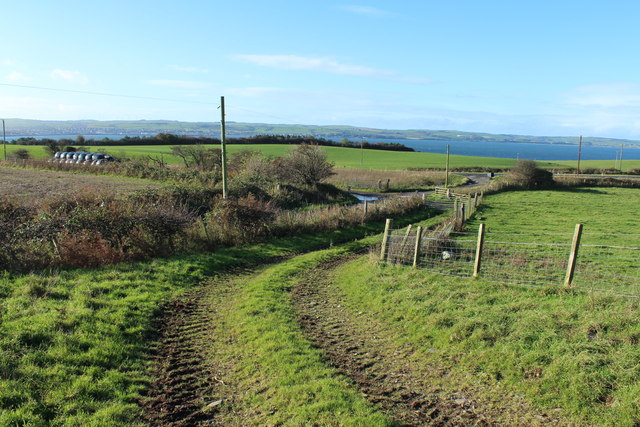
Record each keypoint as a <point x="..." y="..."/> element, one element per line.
<point x="607" y="95"/>
<point x="179" y="84"/>
<point x="18" y="77"/>
<point x="9" y="62"/>
<point x="306" y="63"/>
<point x="69" y="75"/>
<point x="190" y="69"/>
<point x="363" y="10"/>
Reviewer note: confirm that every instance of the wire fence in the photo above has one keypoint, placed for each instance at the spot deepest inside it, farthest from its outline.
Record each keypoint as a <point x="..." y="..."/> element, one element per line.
<point x="525" y="259"/>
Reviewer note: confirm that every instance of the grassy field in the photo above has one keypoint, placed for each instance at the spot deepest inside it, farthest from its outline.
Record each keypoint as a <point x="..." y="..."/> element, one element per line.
<point x="349" y="157"/>
<point x="566" y="351"/>
<point x="74" y="344"/>
<point x="569" y="351"/>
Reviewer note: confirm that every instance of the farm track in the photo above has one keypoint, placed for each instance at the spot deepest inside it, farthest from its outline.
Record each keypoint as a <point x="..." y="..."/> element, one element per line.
<point x="194" y="387"/>
<point x="387" y="373"/>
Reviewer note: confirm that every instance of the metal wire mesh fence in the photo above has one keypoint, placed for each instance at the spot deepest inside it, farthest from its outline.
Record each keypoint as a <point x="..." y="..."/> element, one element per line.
<point x="523" y="259"/>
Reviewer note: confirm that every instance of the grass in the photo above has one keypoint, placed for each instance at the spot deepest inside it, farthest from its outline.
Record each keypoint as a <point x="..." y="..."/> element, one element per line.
<point x="73" y="344"/>
<point x="600" y="210"/>
<point x="561" y="349"/>
<point x="280" y="377"/>
<point x="347" y="157"/>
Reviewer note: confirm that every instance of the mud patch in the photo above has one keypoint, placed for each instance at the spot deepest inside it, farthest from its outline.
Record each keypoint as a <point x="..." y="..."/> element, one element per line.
<point x="178" y="395"/>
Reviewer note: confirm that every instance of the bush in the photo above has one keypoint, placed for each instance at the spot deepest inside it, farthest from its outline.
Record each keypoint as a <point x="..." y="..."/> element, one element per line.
<point x="307" y="165"/>
<point x="526" y="174"/>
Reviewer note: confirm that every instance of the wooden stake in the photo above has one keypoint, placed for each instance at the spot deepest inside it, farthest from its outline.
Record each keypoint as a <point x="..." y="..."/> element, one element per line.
<point x="416" y="249"/>
<point x="385" y="239"/>
<point x="404" y="239"/>
<point x="478" y="263"/>
<point x="573" y="256"/>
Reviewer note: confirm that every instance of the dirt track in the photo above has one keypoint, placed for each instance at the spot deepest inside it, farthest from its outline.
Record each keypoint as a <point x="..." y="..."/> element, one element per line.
<point x="191" y="384"/>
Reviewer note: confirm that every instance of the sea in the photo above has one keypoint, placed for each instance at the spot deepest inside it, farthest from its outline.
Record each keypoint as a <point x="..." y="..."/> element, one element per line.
<point x="508" y="150"/>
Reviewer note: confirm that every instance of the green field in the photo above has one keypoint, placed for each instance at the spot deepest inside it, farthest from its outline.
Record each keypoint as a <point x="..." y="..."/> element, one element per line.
<point x="348" y="157"/>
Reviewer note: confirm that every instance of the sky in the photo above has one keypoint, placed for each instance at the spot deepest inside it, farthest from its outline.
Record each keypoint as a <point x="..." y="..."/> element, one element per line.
<point x="516" y="67"/>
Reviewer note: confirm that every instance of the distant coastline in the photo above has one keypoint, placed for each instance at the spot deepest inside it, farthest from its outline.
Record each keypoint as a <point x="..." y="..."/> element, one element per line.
<point x="96" y="129"/>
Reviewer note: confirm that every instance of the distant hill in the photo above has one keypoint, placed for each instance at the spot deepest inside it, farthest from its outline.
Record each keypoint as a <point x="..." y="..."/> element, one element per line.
<point x="23" y="127"/>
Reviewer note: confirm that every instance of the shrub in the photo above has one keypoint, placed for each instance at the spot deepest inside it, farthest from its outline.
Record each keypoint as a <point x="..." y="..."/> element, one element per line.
<point x="527" y="175"/>
<point x="307" y="165"/>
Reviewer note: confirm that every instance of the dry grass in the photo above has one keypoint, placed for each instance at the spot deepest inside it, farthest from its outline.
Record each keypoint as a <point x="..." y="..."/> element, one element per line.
<point x="28" y="186"/>
<point x="399" y="180"/>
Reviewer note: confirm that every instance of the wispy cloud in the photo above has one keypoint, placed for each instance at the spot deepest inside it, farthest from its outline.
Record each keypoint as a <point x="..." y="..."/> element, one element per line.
<point x="179" y="84"/>
<point x="9" y="62"/>
<point x="308" y="63"/>
<point x="18" y="77"/>
<point x="69" y="75"/>
<point x="189" y="69"/>
<point x="363" y="10"/>
<point x="327" y="65"/>
<point x="607" y="95"/>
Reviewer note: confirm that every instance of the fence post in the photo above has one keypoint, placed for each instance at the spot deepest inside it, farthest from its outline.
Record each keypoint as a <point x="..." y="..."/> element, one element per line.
<point x="462" y="213"/>
<point x="365" y="207"/>
<point x="416" y="249"/>
<point x="573" y="256"/>
<point x="455" y="208"/>
<point x="385" y="239"/>
<point x="404" y="239"/>
<point x="478" y="263"/>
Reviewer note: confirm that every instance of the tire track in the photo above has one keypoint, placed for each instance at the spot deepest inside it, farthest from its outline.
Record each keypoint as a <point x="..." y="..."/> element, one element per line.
<point x="177" y="395"/>
<point x="383" y="370"/>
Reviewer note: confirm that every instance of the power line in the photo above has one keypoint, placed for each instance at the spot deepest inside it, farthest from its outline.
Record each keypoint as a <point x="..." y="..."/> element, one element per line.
<point x="115" y="95"/>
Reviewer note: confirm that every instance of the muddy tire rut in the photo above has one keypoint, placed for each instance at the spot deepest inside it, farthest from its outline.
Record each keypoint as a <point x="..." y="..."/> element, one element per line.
<point x="183" y="381"/>
<point x="384" y="371"/>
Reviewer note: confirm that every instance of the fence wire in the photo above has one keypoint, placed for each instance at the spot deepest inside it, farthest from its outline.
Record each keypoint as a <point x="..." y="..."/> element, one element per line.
<point x="526" y="259"/>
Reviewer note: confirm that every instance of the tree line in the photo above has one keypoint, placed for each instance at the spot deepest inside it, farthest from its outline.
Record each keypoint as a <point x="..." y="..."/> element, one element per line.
<point x="171" y="139"/>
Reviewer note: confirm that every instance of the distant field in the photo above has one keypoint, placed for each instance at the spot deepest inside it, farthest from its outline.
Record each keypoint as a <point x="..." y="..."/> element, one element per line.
<point x="27" y="186"/>
<point x="347" y="157"/>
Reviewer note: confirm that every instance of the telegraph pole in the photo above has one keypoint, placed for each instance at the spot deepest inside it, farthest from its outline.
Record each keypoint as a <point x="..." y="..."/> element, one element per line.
<point x="621" y="149"/>
<point x="4" y="141"/>
<point x="446" y="178"/>
<point x="223" y="143"/>
<point x="579" y="153"/>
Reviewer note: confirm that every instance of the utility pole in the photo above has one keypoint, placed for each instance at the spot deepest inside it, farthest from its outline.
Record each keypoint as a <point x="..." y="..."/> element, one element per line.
<point x="446" y="178"/>
<point x="621" y="149"/>
<point x="4" y="141"/>
<point x="223" y="143"/>
<point x="362" y="151"/>
<point x="579" y="153"/>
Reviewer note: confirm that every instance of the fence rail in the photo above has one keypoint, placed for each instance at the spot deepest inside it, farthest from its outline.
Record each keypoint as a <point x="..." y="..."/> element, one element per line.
<point x="526" y="259"/>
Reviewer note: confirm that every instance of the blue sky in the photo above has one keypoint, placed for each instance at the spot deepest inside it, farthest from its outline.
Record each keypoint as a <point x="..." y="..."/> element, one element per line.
<point x="539" y="68"/>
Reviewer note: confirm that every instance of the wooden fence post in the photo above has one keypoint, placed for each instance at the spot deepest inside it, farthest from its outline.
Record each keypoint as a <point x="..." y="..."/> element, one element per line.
<point x="416" y="249"/>
<point x="406" y="236"/>
<point x="573" y="256"/>
<point x="385" y="239"/>
<point x="455" y="208"/>
<point x="478" y="263"/>
<point x="365" y="207"/>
